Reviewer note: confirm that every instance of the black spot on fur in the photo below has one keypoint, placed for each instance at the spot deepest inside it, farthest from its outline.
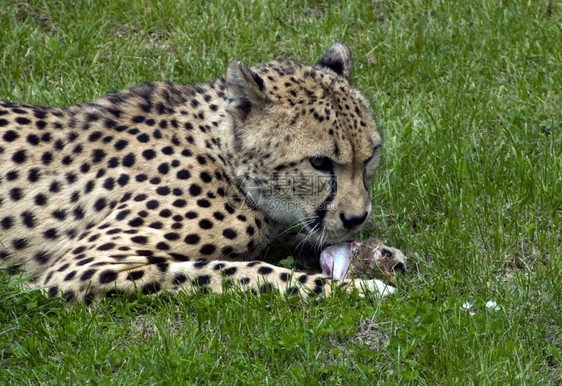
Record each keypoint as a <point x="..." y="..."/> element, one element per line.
<point x="200" y="263"/>
<point x="180" y="278"/>
<point x="100" y="204"/>
<point x="207" y="249"/>
<point x="194" y="190"/>
<point x="178" y="256"/>
<point x="265" y="270"/>
<point x="129" y="160"/>
<point x="19" y="244"/>
<point x="163" y="190"/>
<point x="205" y="224"/>
<point x="229" y="271"/>
<point x="98" y="155"/>
<point x="106" y="247"/>
<point x="28" y="219"/>
<point x="136" y="275"/>
<point x="23" y="120"/>
<point x="19" y="156"/>
<point x="183" y="174"/>
<point x="229" y="233"/>
<point x="202" y="280"/>
<point x="139" y="239"/>
<point x="87" y="275"/>
<point x="150" y="288"/>
<point x="149" y="154"/>
<point x="10" y="135"/>
<point x="41" y="257"/>
<point x="107" y="276"/>
<point x="53" y="291"/>
<point x="192" y="239"/>
<point x="123" y="180"/>
<point x="266" y="288"/>
<point x="292" y="291"/>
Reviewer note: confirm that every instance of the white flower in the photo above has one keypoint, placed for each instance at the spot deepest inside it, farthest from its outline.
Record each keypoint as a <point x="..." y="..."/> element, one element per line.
<point x="466" y="306"/>
<point x="493" y="306"/>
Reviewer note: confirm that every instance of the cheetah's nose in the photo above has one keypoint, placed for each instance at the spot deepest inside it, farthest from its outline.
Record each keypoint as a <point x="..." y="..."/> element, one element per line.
<point x="350" y="222"/>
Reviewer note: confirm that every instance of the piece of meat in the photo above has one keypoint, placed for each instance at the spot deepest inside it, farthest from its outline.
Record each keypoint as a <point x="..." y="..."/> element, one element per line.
<point x="363" y="259"/>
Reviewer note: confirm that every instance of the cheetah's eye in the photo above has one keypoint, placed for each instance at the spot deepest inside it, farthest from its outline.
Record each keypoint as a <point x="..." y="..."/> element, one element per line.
<point x="323" y="164"/>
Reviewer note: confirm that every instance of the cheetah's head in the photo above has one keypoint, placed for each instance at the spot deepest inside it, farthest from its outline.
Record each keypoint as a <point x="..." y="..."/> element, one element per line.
<point x="305" y="143"/>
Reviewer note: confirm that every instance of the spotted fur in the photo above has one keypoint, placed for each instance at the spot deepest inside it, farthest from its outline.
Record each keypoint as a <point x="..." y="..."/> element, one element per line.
<point x="168" y="187"/>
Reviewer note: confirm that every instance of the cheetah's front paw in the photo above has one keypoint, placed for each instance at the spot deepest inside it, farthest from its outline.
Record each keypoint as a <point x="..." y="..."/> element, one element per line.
<point x="380" y="287"/>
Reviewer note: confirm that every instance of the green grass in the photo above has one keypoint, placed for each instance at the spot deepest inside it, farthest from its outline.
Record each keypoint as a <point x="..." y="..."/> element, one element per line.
<point x="469" y="97"/>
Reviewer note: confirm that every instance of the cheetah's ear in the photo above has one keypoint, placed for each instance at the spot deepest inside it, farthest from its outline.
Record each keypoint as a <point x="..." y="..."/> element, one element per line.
<point x="337" y="59"/>
<point x="245" y="89"/>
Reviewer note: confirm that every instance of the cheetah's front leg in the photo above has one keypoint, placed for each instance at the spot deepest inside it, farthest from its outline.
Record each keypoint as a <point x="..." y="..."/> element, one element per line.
<point x="153" y="274"/>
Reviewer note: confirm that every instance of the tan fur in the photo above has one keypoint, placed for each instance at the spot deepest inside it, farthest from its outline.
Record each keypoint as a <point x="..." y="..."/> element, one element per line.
<point x="164" y="187"/>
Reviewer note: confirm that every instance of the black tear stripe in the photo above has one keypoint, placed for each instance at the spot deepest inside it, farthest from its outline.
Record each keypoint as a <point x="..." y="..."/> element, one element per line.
<point x="366" y="187"/>
<point x="322" y="209"/>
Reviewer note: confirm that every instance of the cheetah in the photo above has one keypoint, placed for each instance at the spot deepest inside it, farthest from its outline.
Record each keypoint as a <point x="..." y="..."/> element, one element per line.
<point x="166" y="187"/>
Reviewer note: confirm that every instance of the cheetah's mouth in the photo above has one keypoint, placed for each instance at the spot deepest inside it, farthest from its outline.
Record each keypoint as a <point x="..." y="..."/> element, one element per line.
<point x="318" y="233"/>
